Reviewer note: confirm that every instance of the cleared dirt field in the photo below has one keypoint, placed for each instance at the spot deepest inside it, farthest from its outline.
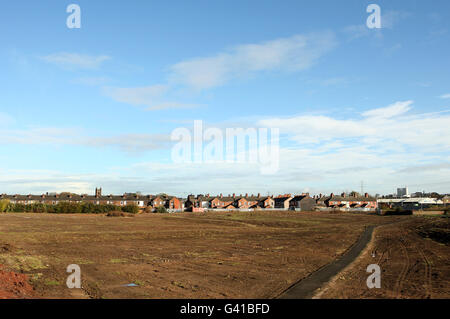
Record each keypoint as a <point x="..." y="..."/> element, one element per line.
<point x="212" y="255"/>
<point x="414" y="257"/>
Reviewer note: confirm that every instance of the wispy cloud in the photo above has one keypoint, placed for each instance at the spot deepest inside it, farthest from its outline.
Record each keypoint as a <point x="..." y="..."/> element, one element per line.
<point x="391" y="18"/>
<point x="54" y="136"/>
<point x="318" y="152"/>
<point x="435" y="167"/>
<point x="152" y="97"/>
<point x="75" y="60"/>
<point x="395" y="109"/>
<point x="291" y="54"/>
<point x="381" y="128"/>
<point x="147" y="96"/>
<point x="445" y="96"/>
<point x="336" y="81"/>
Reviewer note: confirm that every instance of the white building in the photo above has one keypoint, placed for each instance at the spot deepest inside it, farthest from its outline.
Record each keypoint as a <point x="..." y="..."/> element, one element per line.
<point x="402" y="192"/>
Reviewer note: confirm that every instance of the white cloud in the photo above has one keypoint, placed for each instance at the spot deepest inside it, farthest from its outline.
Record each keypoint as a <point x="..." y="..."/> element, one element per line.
<point x="291" y="54"/>
<point x="395" y="109"/>
<point x="357" y="31"/>
<point x="445" y="96"/>
<point x="377" y="128"/>
<point x="385" y="147"/>
<point x="76" y="60"/>
<point x="151" y="96"/>
<point x="391" y="18"/>
<point x="335" y="81"/>
<point x="127" y="142"/>
<point x="137" y="96"/>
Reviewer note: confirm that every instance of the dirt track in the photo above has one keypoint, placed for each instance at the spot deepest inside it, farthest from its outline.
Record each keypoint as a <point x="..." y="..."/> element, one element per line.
<point x="414" y="258"/>
<point x="307" y="287"/>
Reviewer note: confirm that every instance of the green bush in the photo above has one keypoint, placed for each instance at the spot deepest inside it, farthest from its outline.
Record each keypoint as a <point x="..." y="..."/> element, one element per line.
<point x="66" y="208"/>
<point x="161" y="210"/>
<point x="4" y="203"/>
<point x="132" y="209"/>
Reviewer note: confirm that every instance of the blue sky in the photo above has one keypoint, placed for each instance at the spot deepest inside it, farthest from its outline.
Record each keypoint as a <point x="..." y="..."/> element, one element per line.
<point x="95" y="106"/>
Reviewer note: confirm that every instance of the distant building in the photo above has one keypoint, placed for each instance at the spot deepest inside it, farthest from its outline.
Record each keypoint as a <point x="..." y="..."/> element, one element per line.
<point x="411" y="203"/>
<point x="355" y="201"/>
<point x="402" y="192"/>
<point x="302" y="203"/>
<point x="282" y="201"/>
<point x="446" y="200"/>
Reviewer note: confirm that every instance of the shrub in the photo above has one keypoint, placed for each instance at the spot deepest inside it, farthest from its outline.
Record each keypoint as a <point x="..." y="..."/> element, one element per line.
<point x="66" y="208"/>
<point x="161" y="210"/>
<point x="132" y="209"/>
<point x="4" y="203"/>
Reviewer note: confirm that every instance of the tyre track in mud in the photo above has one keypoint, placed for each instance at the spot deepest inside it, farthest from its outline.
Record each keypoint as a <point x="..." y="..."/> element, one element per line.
<point x="305" y="288"/>
<point x="402" y="276"/>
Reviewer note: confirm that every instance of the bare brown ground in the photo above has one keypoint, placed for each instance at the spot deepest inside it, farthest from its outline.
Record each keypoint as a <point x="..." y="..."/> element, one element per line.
<point x="14" y="285"/>
<point x="212" y="255"/>
<point x="414" y="257"/>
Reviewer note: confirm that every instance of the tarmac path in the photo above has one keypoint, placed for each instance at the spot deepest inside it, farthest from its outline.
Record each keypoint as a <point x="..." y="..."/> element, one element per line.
<point x="305" y="288"/>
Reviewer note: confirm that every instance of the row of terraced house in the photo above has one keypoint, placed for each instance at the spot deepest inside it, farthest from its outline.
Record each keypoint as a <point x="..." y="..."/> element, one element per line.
<point x="200" y="203"/>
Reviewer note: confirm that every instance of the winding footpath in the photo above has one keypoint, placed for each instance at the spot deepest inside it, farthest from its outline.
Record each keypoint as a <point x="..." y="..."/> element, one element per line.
<point x="305" y="288"/>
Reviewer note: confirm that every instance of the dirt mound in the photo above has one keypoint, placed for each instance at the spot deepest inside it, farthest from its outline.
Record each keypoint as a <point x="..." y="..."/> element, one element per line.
<point x="14" y="285"/>
<point x="436" y="229"/>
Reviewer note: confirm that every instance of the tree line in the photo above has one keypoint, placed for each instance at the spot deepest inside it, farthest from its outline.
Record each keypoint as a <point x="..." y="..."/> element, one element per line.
<point x="65" y="208"/>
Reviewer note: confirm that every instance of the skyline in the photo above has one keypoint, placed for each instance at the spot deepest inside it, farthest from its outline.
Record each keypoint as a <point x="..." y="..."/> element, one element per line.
<point x="96" y="106"/>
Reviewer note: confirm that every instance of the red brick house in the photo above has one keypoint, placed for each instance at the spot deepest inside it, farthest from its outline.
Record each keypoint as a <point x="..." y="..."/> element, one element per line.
<point x="351" y="201"/>
<point x="174" y="203"/>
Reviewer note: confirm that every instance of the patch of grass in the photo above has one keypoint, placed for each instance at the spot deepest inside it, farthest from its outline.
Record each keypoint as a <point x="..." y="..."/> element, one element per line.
<point x="23" y="263"/>
<point x="84" y="262"/>
<point x="118" y="261"/>
<point x="52" y="283"/>
<point x="36" y="277"/>
<point x="138" y="282"/>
